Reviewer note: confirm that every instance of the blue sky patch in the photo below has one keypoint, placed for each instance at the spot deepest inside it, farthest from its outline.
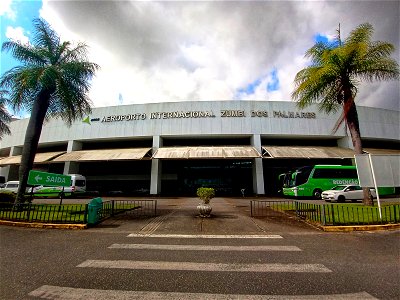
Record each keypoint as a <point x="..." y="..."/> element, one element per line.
<point x="25" y="12"/>
<point x="325" y="39"/>
<point x="273" y="84"/>
<point x="251" y="87"/>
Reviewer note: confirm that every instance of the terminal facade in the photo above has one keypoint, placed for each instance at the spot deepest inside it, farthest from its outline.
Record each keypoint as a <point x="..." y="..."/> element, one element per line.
<point x="174" y="148"/>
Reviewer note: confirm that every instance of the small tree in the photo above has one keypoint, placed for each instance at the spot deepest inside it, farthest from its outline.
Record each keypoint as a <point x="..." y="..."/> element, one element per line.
<point x="205" y="194"/>
<point x="335" y="72"/>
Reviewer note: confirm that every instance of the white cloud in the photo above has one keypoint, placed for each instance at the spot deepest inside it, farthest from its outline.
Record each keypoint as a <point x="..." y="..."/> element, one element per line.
<point x="16" y="34"/>
<point x="176" y="51"/>
<point x="6" y="9"/>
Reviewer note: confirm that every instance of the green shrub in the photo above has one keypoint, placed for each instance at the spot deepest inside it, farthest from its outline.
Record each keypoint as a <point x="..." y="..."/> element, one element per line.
<point x="205" y="194"/>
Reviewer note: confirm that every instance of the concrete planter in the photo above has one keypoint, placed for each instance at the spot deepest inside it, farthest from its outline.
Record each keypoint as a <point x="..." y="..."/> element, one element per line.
<point x="204" y="210"/>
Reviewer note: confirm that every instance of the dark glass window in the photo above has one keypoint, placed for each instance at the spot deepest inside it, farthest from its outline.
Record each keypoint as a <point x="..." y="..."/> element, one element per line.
<point x="334" y="173"/>
<point x="302" y="175"/>
<point x="80" y="183"/>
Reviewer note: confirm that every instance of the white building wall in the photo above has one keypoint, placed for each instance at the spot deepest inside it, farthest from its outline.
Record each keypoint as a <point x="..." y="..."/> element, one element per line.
<point x="374" y="123"/>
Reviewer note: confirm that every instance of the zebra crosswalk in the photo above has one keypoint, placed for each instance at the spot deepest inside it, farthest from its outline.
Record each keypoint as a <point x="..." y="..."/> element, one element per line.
<point x="218" y="247"/>
<point x="56" y="292"/>
<point x="202" y="247"/>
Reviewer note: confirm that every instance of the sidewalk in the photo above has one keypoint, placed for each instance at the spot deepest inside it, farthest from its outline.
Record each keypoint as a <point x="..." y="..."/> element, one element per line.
<point x="230" y="216"/>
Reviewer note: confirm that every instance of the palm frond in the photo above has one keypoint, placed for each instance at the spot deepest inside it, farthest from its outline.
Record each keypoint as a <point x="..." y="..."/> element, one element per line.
<point x="336" y="71"/>
<point x="361" y="34"/>
<point x="52" y="66"/>
<point x="45" y="37"/>
<point x="23" y="53"/>
<point x="5" y="117"/>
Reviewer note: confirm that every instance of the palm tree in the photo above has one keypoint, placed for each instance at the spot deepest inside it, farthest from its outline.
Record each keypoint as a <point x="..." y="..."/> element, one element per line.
<point x="335" y="72"/>
<point x="52" y="81"/>
<point x="5" y="117"/>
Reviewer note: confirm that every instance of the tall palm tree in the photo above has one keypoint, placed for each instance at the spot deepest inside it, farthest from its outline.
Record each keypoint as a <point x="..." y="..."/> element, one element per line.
<point x="52" y="81"/>
<point x="335" y="72"/>
<point x="5" y="117"/>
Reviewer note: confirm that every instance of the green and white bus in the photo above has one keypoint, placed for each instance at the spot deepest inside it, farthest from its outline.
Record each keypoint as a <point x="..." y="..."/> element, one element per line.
<point x="311" y="181"/>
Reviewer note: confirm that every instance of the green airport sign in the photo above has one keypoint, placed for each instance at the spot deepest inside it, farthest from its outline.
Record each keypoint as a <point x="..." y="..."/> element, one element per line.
<point x="48" y="179"/>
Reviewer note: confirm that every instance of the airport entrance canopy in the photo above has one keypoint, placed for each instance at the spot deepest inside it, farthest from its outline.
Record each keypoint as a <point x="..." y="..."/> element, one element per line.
<point x="217" y="152"/>
<point x="306" y="152"/>
<point x="105" y="155"/>
<point x="44" y="157"/>
<point x="382" y="151"/>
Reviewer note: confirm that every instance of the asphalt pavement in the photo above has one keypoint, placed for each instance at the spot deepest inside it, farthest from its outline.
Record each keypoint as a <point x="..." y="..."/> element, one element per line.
<point x="179" y="255"/>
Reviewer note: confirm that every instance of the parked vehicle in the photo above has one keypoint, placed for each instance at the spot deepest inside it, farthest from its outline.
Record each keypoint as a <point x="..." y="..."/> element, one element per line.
<point x="341" y="193"/>
<point x="311" y="181"/>
<point x="78" y="186"/>
<point x="78" y="183"/>
<point x="11" y="186"/>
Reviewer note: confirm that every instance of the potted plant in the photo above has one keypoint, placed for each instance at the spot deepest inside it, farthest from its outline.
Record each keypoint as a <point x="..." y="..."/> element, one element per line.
<point x="205" y="195"/>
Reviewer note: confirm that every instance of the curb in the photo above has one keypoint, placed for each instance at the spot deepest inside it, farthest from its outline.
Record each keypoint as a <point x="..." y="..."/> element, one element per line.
<point x="44" y="225"/>
<point x="359" y="228"/>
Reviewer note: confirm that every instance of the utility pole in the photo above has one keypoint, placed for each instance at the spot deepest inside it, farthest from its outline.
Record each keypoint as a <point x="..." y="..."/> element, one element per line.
<point x="338" y="32"/>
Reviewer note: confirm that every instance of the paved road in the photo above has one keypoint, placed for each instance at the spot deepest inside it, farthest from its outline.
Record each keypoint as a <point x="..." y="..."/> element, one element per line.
<point x="179" y="256"/>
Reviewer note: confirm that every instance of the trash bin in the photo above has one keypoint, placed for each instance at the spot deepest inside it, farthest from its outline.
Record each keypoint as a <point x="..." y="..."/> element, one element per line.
<point x="94" y="209"/>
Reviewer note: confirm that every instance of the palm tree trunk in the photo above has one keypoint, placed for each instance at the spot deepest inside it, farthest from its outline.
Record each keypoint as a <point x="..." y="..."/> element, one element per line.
<point x="32" y="136"/>
<point x="350" y="111"/>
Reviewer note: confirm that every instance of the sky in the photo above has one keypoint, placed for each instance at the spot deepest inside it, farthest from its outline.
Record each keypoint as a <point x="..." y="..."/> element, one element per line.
<point x="168" y="51"/>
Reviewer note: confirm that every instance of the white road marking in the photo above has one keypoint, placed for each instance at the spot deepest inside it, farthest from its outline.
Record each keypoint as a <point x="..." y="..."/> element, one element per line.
<point x="207" y="236"/>
<point x="213" y="267"/>
<point x="203" y="247"/>
<point x="59" y="292"/>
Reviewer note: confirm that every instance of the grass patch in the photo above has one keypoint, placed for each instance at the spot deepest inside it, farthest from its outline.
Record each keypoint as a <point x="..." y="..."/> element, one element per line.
<point x="338" y="213"/>
<point x="46" y="213"/>
<point x="351" y="214"/>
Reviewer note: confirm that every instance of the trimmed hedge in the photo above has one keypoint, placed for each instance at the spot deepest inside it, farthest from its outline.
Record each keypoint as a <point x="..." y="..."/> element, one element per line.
<point x="205" y="194"/>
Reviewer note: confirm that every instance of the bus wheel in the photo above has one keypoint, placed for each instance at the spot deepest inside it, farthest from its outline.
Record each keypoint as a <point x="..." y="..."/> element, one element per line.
<point x="317" y="194"/>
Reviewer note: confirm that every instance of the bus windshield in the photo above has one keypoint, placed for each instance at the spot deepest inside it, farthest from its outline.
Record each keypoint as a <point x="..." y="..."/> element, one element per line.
<point x="284" y="179"/>
<point x="300" y="176"/>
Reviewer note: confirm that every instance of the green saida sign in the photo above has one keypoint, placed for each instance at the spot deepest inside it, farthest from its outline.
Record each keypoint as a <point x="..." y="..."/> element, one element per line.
<point x="48" y="179"/>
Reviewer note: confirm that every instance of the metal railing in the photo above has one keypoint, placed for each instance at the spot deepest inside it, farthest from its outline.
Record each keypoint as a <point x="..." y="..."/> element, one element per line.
<point x="76" y="213"/>
<point x="267" y="208"/>
<point x="358" y="215"/>
<point x="328" y="214"/>
<point x="133" y="208"/>
<point x="43" y="213"/>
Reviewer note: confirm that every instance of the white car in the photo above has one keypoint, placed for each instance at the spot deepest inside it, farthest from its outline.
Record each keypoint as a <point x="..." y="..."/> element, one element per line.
<point x="11" y="186"/>
<point x="341" y="193"/>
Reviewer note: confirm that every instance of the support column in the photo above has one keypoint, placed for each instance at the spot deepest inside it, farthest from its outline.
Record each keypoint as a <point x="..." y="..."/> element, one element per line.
<point x="345" y="142"/>
<point x="72" y="167"/>
<point x="258" y="171"/>
<point x="155" y="180"/>
<point x="10" y="172"/>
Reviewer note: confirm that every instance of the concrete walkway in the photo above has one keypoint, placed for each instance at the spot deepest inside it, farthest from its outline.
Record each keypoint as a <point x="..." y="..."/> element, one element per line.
<point x="230" y="216"/>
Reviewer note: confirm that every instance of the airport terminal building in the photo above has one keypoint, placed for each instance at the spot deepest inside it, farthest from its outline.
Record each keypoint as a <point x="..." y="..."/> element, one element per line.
<point x="174" y="148"/>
